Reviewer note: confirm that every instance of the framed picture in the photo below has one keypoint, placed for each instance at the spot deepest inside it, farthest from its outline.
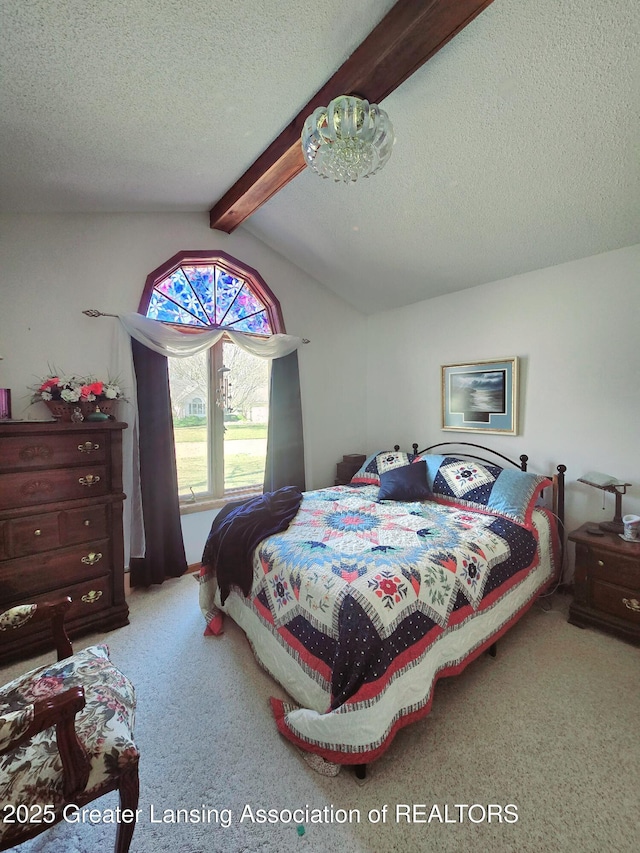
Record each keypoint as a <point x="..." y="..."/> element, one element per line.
<point x="481" y="396"/>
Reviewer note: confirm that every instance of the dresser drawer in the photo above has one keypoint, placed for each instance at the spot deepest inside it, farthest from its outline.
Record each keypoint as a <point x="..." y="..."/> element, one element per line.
<point x="88" y="597"/>
<point x="620" y="602"/>
<point x="20" y="453"/>
<point x="84" y="524"/>
<point x="38" y="487"/>
<point x="614" y="568"/>
<point x="34" y="534"/>
<point x="25" y="577"/>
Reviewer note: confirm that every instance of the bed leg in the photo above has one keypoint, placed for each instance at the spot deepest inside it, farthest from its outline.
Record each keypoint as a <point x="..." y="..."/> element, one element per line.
<point x="493" y="649"/>
<point x="361" y="771"/>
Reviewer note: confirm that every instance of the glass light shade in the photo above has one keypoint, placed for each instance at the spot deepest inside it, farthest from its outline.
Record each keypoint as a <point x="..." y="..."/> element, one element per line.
<point x="347" y="140"/>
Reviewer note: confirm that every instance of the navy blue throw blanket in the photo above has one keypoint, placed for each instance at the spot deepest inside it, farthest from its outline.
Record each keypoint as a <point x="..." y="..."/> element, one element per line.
<point x="239" y="528"/>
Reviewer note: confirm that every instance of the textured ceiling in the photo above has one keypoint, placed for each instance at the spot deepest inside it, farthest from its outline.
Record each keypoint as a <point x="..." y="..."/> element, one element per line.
<point x="517" y="144"/>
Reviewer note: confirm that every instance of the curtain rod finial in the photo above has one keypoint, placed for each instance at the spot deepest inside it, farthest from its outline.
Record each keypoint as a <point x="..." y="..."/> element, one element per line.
<point x="93" y="312"/>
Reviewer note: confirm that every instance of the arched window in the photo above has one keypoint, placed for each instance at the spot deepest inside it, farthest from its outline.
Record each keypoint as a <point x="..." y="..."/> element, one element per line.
<point x="197" y="407"/>
<point x="211" y="290"/>
<point x="222" y="451"/>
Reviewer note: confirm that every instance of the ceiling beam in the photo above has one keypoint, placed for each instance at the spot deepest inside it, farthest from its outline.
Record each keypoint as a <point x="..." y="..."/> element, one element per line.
<point x="409" y="35"/>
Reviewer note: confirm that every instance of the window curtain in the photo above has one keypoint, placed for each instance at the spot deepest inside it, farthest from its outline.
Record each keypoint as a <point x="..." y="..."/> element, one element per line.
<point x="161" y="549"/>
<point x="164" y="554"/>
<point x="285" y="447"/>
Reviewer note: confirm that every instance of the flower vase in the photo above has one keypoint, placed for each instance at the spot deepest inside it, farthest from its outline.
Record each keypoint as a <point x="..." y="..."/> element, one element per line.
<point x="63" y="411"/>
<point x="60" y="410"/>
<point x="107" y="407"/>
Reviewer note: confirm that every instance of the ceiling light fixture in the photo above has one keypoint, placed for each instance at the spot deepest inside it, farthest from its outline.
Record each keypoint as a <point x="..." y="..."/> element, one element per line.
<point x="347" y="140"/>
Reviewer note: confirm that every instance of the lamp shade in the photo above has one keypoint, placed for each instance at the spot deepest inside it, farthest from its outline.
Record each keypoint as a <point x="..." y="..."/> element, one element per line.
<point x="347" y="140"/>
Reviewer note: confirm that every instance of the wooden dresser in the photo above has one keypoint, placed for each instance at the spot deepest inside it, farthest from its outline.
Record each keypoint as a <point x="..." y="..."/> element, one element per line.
<point x="61" y="525"/>
<point x="607" y="583"/>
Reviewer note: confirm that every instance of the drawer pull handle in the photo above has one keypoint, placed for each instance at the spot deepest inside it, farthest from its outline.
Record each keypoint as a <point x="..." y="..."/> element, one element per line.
<point x="92" y="558"/>
<point x="87" y="522"/>
<point x="89" y="480"/>
<point x="88" y="447"/>
<point x="601" y="562"/>
<point x="632" y="604"/>
<point x="92" y="596"/>
<point x="37" y="532"/>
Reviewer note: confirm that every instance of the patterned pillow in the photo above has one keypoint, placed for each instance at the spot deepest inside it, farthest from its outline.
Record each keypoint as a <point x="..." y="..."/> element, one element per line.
<point x="408" y="483"/>
<point x="487" y="488"/>
<point x="377" y="463"/>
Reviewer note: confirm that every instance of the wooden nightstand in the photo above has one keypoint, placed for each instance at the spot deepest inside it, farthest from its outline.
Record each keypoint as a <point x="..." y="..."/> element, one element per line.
<point x="607" y="583"/>
<point x="351" y="462"/>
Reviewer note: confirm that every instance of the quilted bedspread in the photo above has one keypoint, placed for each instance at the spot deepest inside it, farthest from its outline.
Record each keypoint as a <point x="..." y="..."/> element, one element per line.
<point x="357" y="594"/>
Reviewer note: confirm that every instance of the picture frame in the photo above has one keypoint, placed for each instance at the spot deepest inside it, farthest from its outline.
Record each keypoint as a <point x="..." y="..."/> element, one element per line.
<point x="481" y="396"/>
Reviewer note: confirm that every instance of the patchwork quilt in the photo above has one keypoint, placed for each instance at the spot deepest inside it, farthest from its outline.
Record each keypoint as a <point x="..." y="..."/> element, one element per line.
<point x="360" y="605"/>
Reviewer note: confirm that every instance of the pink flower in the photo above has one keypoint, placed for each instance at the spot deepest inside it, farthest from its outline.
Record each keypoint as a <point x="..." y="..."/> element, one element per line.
<point x="46" y="686"/>
<point x="49" y="383"/>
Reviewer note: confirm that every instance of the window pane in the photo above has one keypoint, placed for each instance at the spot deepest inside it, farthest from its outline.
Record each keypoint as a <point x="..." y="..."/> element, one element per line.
<point x="245" y="389"/>
<point x="189" y="383"/>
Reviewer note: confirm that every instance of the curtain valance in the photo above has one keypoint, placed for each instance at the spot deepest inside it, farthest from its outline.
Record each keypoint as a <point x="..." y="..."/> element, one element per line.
<point x="169" y="341"/>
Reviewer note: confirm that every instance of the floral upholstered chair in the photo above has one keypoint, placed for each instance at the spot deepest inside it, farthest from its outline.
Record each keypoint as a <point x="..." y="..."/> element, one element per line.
<point x="66" y="735"/>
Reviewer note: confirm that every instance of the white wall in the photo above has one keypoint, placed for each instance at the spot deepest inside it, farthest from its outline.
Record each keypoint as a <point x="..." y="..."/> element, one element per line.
<point x="575" y="327"/>
<point x="53" y="267"/>
<point x="576" y="330"/>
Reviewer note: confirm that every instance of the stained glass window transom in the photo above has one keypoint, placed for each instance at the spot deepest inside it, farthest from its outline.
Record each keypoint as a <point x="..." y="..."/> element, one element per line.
<point x="211" y="292"/>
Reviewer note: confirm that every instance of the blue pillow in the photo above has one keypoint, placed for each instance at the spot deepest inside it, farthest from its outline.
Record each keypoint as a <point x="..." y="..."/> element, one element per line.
<point x="374" y="465"/>
<point x="487" y="488"/>
<point x="408" y="483"/>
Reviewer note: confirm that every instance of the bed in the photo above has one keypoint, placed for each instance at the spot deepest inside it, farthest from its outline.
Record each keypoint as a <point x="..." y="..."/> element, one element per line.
<point x="377" y="589"/>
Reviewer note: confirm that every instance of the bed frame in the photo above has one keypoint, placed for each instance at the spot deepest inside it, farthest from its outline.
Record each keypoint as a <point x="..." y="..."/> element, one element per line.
<point x="557" y="503"/>
<point x="557" y="479"/>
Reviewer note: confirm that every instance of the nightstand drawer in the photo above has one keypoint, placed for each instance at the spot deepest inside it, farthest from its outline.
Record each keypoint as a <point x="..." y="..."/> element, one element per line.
<point x="623" y="603"/>
<point x="614" y="568"/>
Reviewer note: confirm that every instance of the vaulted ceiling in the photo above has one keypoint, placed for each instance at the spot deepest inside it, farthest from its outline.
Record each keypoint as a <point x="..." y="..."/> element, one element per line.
<point x="516" y="143"/>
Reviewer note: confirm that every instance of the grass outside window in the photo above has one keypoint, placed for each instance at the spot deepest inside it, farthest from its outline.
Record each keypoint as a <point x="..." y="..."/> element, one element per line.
<point x="244" y="459"/>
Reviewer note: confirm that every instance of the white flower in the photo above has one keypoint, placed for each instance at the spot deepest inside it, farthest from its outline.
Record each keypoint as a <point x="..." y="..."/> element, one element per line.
<point x="46" y="395"/>
<point x="111" y="392"/>
<point x="69" y="395"/>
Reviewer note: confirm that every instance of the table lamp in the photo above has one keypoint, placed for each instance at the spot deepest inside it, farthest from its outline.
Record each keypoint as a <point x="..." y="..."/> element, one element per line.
<point x="608" y="484"/>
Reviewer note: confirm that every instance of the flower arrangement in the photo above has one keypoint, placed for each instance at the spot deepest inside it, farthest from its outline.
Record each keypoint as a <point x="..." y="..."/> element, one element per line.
<point x="76" y="389"/>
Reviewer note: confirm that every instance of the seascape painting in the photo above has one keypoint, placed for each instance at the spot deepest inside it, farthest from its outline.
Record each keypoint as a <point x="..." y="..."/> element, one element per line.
<point x="480" y="397"/>
<point x="477" y="395"/>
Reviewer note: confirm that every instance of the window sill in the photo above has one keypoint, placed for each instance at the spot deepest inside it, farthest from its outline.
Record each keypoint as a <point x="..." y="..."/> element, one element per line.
<point x="205" y="504"/>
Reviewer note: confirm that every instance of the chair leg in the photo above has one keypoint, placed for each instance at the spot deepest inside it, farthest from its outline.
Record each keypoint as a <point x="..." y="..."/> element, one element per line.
<point x="129" y="789"/>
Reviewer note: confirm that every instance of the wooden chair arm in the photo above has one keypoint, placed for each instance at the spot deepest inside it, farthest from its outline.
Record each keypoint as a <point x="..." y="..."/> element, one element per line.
<point x="54" y="610"/>
<point x="60" y="711"/>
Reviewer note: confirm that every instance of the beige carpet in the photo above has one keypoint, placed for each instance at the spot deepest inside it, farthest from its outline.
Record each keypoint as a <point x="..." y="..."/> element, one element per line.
<point x="550" y="726"/>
